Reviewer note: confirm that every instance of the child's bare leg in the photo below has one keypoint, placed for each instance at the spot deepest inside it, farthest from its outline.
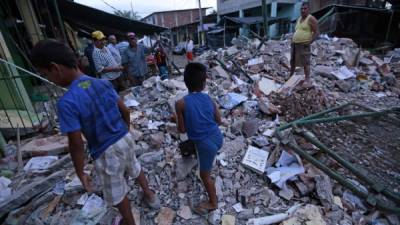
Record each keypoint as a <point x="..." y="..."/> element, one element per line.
<point x="124" y="208"/>
<point x="209" y="185"/>
<point x="142" y="180"/>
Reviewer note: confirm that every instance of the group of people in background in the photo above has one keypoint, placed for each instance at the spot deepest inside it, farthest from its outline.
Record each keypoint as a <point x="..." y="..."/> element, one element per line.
<point x="122" y="63"/>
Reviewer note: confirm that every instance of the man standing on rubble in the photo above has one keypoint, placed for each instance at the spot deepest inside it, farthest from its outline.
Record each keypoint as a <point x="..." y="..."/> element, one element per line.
<point x="134" y="60"/>
<point x="92" y="108"/>
<point x="306" y="32"/>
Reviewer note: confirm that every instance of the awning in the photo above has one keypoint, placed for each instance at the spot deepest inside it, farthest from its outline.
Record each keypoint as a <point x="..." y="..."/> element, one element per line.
<point x="87" y="19"/>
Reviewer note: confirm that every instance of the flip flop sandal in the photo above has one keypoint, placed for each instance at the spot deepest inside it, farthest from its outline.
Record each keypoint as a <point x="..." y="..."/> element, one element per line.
<point x="199" y="210"/>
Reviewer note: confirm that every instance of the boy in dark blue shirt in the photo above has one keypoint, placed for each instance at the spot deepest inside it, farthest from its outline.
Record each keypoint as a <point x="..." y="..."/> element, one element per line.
<point x="199" y="117"/>
<point x="92" y="108"/>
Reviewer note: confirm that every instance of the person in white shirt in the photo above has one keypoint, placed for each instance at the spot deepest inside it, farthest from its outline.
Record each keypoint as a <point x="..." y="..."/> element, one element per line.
<point x="189" y="49"/>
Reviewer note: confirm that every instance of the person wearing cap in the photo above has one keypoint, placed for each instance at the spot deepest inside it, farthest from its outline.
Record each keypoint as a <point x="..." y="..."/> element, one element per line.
<point x="105" y="64"/>
<point x="112" y="45"/>
<point x="134" y="60"/>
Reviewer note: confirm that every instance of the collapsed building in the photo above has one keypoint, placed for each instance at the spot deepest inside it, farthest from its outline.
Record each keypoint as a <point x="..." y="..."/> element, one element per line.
<point x="321" y="154"/>
<point x="283" y="161"/>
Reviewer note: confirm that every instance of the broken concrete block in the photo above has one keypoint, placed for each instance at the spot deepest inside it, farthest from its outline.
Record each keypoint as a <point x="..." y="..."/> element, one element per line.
<point x="221" y="72"/>
<point x="267" y="107"/>
<point x="231" y="148"/>
<point x="292" y="83"/>
<point x="250" y="127"/>
<point x="151" y="157"/>
<point x="267" y="86"/>
<point x="286" y="193"/>
<point x="184" y="166"/>
<point x="53" y="145"/>
<point x="338" y="201"/>
<point x="324" y="190"/>
<point x="165" y="217"/>
<point x="325" y="71"/>
<point x="228" y="220"/>
<point x="255" y="159"/>
<point x="156" y="140"/>
<point x="29" y="191"/>
<point x="185" y="212"/>
<point x="366" y="61"/>
<point x="344" y="85"/>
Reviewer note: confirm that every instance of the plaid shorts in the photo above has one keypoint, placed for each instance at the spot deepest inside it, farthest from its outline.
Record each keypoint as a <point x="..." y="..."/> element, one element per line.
<point x="119" y="159"/>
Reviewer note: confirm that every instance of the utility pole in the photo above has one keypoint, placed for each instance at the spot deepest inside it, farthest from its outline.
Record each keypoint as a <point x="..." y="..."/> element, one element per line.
<point x="265" y="17"/>
<point x="201" y="42"/>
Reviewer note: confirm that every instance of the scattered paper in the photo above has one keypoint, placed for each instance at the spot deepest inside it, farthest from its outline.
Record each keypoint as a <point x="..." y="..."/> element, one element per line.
<point x="343" y="73"/>
<point x="287" y="167"/>
<point x="232" y="100"/>
<point x="238" y="81"/>
<point x="59" y="188"/>
<point x="93" y="206"/>
<point x="238" y="207"/>
<point x="380" y="94"/>
<point x="154" y="125"/>
<point x="255" y="159"/>
<point x="269" y="132"/>
<point x="91" y="213"/>
<point x="255" y="61"/>
<point x="75" y="182"/>
<point x="40" y="163"/>
<point x="130" y="101"/>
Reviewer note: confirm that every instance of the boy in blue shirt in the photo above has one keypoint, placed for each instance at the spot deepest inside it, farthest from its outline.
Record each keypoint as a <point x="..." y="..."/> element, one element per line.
<point x="91" y="107"/>
<point x="199" y="117"/>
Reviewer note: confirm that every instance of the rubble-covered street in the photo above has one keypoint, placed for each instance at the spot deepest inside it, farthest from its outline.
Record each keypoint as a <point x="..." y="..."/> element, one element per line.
<point x="259" y="178"/>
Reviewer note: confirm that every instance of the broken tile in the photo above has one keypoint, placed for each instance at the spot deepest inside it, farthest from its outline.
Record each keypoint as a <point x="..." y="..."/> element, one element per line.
<point x="165" y="217"/>
<point x="185" y="212"/>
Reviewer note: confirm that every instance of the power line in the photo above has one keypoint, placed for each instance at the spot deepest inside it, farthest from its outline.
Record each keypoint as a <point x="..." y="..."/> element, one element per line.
<point x="109" y="5"/>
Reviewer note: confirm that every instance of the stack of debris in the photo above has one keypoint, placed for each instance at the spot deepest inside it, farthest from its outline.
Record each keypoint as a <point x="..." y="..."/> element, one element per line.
<point x="258" y="179"/>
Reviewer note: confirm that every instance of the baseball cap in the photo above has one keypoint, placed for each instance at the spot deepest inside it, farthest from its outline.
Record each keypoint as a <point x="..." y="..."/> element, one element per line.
<point x="131" y="34"/>
<point x="98" y="35"/>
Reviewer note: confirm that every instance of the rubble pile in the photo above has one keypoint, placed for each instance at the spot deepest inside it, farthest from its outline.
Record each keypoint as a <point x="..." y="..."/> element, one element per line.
<point x="258" y="179"/>
<point x="303" y="102"/>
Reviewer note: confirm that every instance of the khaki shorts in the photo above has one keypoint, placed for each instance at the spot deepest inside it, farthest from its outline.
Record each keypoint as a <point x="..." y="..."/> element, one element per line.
<point x="119" y="159"/>
<point x="300" y="55"/>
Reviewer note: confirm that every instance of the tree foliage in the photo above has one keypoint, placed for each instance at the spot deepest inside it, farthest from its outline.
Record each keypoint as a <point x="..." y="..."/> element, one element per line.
<point x="127" y="14"/>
